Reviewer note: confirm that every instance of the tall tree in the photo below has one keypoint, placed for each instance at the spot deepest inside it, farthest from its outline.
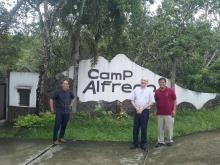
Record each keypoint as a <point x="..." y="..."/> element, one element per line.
<point x="47" y="19"/>
<point x="171" y="29"/>
<point x="6" y="17"/>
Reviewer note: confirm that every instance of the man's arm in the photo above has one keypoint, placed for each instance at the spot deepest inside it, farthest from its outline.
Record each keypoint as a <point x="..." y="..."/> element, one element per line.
<point x="174" y="103"/>
<point x="137" y="109"/>
<point x="72" y="97"/>
<point x="174" y="109"/>
<point x="132" y="98"/>
<point x="134" y="105"/>
<point x="147" y="106"/>
<point x="72" y="103"/>
<point x="51" y="105"/>
<point x="155" y="105"/>
<point x="53" y="97"/>
<point x="151" y="101"/>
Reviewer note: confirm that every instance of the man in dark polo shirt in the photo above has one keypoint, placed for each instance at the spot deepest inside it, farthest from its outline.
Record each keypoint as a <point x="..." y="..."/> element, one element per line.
<point x="62" y="99"/>
<point x="165" y="99"/>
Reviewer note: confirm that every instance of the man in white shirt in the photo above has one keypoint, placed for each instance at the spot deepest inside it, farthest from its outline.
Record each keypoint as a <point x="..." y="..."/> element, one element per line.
<point x="142" y="99"/>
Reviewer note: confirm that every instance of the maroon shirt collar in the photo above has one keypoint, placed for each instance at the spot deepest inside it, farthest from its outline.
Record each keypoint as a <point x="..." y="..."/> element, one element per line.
<point x="163" y="89"/>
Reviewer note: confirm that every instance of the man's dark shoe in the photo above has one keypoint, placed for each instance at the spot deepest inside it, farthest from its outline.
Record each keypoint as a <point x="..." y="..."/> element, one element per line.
<point x="144" y="147"/>
<point x="159" y="145"/>
<point x="134" y="146"/>
<point x="169" y="144"/>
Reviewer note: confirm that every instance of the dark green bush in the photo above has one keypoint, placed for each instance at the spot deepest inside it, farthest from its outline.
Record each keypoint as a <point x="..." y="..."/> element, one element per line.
<point x="121" y="116"/>
<point x="46" y="119"/>
<point x="34" y="121"/>
<point x="99" y="112"/>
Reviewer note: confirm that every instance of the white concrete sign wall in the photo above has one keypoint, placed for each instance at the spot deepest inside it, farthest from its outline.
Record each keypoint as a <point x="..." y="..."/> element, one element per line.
<point x="114" y="80"/>
<point x="22" y="80"/>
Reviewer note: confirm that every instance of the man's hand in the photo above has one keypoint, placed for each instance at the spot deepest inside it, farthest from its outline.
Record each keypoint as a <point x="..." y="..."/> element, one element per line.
<point x="155" y="113"/>
<point x="173" y="113"/>
<point x="174" y="110"/>
<point x="140" y="110"/>
<point x="148" y="107"/>
<point x="137" y="109"/>
<point x="52" y="111"/>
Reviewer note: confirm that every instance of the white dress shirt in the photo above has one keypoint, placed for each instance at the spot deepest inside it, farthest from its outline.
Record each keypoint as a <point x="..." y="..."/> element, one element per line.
<point x="142" y="96"/>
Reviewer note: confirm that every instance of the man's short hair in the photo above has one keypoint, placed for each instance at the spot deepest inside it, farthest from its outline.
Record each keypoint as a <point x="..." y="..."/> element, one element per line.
<point x="61" y="82"/>
<point x="162" y="79"/>
<point x="144" y="79"/>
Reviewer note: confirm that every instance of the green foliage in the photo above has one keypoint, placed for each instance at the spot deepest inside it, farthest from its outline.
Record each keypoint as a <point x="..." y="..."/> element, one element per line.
<point x="122" y="26"/>
<point x="9" y="48"/>
<point x="121" y="116"/>
<point x="188" y="122"/>
<point x="19" y="53"/>
<point x="207" y="79"/>
<point x="174" y="33"/>
<point x="29" y="54"/>
<point x="34" y="121"/>
<point x="84" y="127"/>
<point x="99" y="112"/>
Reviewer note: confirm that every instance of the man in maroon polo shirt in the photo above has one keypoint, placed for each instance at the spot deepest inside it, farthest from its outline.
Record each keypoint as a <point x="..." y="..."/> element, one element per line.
<point x="165" y="99"/>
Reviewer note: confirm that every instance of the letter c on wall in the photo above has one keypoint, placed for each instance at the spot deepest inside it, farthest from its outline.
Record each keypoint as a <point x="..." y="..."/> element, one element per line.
<point x="90" y="73"/>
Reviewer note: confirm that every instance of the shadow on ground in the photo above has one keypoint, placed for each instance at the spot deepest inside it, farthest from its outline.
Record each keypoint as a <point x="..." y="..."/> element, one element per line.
<point x="197" y="149"/>
<point x="72" y="152"/>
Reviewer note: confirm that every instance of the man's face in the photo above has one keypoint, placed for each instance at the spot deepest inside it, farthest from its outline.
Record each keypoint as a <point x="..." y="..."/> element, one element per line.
<point x="144" y="83"/>
<point x="65" y="85"/>
<point x="162" y="84"/>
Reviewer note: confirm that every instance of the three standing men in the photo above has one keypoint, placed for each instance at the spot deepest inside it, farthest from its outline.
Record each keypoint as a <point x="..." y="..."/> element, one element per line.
<point x="142" y="99"/>
<point x="62" y="99"/>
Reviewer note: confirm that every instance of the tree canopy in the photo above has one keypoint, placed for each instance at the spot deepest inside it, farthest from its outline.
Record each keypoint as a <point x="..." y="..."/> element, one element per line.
<point x="180" y="40"/>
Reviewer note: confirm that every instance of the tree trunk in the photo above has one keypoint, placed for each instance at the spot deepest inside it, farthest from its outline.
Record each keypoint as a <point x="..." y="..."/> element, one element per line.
<point x="76" y="67"/>
<point x="173" y="72"/>
<point x="212" y="58"/>
<point x="76" y="54"/>
<point x="39" y="94"/>
<point x="43" y="78"/>
<point x="47" y="20"/>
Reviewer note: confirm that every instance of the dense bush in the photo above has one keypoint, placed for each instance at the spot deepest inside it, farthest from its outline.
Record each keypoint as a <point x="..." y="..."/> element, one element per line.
<point x="34" y="121"/>
<point x="84" y="127"/>
<point x="121" y="116"/>
<point x="46" y="119"/>
<point x="100" y="112"/>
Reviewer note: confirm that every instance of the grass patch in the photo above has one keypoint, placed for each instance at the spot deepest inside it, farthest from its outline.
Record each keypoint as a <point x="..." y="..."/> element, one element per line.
<point x="104" y="127"/>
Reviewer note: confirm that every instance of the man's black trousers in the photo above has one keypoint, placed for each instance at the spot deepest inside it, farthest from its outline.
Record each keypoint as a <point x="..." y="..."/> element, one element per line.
<point x="140" y="122"/>
<point x="61" y="121"/>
